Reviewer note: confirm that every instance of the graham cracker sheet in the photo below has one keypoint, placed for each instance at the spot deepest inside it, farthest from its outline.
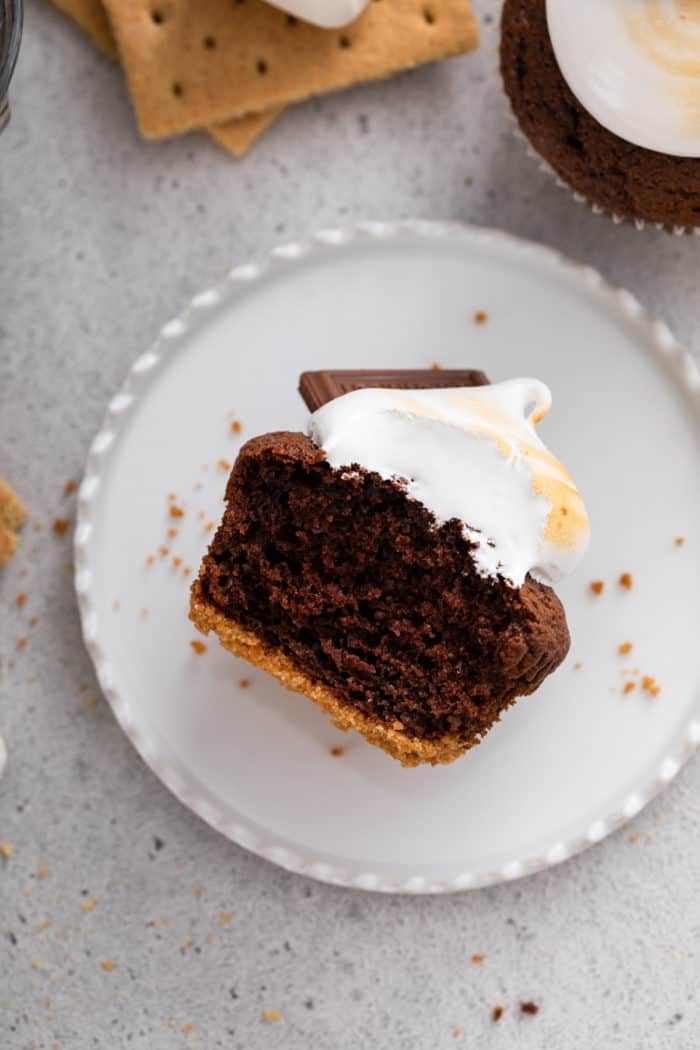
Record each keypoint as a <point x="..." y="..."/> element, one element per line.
<point x="194" y="64"/>
<point x="237" y="136"/>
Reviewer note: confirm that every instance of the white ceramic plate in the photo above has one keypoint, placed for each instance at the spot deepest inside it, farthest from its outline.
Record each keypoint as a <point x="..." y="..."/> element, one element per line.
<point x="565" y="766"/>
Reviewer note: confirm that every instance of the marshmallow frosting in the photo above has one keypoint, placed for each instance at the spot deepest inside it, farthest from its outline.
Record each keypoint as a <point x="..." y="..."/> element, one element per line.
<point x="470" y="453"/>
<point x="635" y="66"/>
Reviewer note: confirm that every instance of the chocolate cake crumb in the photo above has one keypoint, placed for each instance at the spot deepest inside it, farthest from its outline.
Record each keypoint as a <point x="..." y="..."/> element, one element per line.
<point x="597" y="586"/>
<point x="529" y="1008"/>
<point x="626" y="580"/>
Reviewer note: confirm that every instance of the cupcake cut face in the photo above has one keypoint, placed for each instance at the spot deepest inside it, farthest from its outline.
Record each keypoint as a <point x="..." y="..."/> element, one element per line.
<point x="471" y="454"/>
<point x="635" y="66"/>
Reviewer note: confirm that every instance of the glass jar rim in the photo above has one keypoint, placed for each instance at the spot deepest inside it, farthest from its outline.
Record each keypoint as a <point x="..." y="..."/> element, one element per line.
<point x="11" y="12"/>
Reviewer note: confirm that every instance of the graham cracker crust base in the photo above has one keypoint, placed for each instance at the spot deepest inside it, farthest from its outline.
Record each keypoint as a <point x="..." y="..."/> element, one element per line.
<point x="409" y="751"/>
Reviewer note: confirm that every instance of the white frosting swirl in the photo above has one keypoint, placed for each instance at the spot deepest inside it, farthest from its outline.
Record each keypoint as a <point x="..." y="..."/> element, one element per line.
<point x="470" y="453"/>
<point x="635" y="66"/>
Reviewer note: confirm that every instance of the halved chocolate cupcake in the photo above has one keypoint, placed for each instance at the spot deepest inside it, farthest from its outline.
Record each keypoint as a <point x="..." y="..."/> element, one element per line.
<point x="373" y="589"/>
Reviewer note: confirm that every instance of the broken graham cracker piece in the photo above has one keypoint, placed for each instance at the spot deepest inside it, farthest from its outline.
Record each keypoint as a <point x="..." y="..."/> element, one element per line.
<point x="317" y="388"/>
<point x="12" y="517"/>
<point x="236" y="136"/>
<point x="261" y="58"/>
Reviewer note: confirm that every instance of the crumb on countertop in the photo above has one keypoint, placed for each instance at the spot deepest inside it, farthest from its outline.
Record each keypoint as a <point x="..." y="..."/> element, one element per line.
<point x="679" y="541"/>
<point x="108" y="966"/>
<point x="243" y="684"/>
<point x="21" y="599"/>
<point x="497" y="1013"/>
<point x="578" y="666"/>
<point x="21" y="643"/>
<point x="199" y="647"/>
<point x="480" y="317"/>
<point x="6" y="849"/>
<point x="626" y="580"/>
<point x="597" y="586"/>
<point x="436" y="366"/>
<point x="478" y="958"/>
<point x="61" y="526"/>
<point x="150" y="560"/>
<point x="529" y="1007"/>
<point x="69" y="488"/>
<point x="624" y="648"/>
<point x="224" y="464"/>
<point x="337" y="751"/>
<point x="164" y="551"/>
<point x="172" y="533"/>
<point x="225" y="918"/>
<point x="457" y="1032"/>
<point x="236" y="427"/>
<point x="176" y="512"/>
<point x="271" y="1016"/>
<point x="628" y="687"/>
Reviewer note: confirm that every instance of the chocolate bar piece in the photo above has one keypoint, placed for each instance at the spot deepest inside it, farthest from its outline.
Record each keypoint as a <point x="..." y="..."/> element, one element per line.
<point x="317" y="388"/>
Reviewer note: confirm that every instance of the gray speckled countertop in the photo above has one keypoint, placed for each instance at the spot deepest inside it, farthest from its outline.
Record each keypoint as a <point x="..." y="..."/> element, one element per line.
<point x="104" y="237"/>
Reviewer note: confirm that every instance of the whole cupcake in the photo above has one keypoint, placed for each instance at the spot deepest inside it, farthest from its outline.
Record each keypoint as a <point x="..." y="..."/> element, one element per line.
<point x="608" y="94"/>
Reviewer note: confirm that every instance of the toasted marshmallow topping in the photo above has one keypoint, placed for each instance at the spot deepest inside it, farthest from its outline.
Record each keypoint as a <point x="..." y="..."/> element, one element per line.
<point x="470" y="453"/>
<point x="635" y="66"/>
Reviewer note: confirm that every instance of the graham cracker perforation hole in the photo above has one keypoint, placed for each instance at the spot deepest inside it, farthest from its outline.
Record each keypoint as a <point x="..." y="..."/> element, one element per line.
<point x="344" y="41"/>
<point x="209" y="42"/>
<point x="429" y="16"/>
<point x="177" y="89"/>
<point x="292" y="20"/>
<point x="262" y="66"/>
<point x="157" y="16"/>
